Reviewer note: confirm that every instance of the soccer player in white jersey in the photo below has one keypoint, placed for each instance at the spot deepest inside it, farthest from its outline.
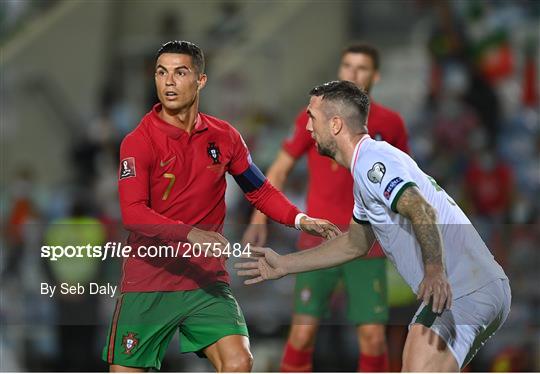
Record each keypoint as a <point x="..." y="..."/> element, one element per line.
<point x="465" y="293"/>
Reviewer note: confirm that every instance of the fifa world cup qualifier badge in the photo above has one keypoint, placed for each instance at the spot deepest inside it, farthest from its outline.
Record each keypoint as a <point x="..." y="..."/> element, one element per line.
<point x="127" y="168"/>
<point x="213" y="153"/>
<point x="129" y="342"/>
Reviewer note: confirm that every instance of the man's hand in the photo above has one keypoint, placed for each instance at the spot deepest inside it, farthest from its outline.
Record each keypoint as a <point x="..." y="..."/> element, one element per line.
<point x="203" y="237"/>
<point x="319" y="227"/>
<point x="256" y="234"/>
<point x="257" y="231"/>
<point x="435" y="285"/>
<point x="263" y="264"/>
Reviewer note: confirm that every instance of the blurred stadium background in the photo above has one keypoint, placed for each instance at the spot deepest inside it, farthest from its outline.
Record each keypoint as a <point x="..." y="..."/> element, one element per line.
<point x="76" y="76"/>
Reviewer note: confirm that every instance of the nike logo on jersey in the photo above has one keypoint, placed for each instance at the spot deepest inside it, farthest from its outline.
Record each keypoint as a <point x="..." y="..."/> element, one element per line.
<point x="165" y="163"/>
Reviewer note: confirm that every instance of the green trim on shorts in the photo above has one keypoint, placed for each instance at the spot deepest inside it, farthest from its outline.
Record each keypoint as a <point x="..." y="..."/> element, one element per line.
<point x="144" y="323"/>
<point x="426" y="317"/>
<point x="481" y="339"/>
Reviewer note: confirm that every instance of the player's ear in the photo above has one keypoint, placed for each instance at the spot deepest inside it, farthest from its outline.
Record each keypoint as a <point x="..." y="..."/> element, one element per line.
<point x="201" y="82"/>
<point x="336" y="124"/>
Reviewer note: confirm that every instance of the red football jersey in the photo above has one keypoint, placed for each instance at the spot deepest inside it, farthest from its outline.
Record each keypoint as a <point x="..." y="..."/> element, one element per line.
<point x="171" y="180"/>
<point x="330" y="186"/>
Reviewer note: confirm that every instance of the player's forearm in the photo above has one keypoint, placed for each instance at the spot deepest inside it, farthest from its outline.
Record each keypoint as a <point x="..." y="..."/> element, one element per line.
<point x="139" y="218"/>
<point x="423" y="217"/>
<point x="330" y="253"/>
<point x="276" y="176"/>
<point x="274" y="204"/>
<point x="258" y="218"/>
<point x="427" y="233"/>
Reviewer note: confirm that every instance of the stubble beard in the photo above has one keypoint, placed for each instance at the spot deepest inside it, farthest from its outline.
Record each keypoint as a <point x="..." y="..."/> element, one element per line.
<point x="327" y="150"/>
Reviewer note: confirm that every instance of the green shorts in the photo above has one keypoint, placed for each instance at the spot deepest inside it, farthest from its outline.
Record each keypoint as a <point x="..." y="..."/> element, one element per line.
<point x="365" y="284"/>
<point x="144" y="323"/>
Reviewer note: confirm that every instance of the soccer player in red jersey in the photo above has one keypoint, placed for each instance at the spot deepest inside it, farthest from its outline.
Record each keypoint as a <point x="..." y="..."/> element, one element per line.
<point x="364" y="279"/>
<point x="172" y="190"/>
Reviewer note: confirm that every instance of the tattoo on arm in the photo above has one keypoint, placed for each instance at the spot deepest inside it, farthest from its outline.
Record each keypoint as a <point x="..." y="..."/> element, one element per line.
<point x="423" y="217"/>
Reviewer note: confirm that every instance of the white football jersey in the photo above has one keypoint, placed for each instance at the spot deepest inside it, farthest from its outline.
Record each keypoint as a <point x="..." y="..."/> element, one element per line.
<point x="381" y="174"/>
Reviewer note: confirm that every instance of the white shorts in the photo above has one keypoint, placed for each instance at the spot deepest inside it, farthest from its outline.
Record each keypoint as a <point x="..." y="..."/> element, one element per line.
<point x="471" y="320"/>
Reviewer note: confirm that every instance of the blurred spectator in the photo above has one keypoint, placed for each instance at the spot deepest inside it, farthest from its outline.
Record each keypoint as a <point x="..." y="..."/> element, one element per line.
<point x="76" y="313"/>
<point x="513" y="359"/>
<point x="22" y="211"/>
<point x="489" y="186"/>
<point x="530" y="96"/>
<point x="455" y="67"/>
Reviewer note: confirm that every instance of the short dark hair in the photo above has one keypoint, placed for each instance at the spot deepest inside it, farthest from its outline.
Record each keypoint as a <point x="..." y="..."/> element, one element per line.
<point x="347" y="94"/>
<point x="365" y="49"/>
<point x="185" y="48"/>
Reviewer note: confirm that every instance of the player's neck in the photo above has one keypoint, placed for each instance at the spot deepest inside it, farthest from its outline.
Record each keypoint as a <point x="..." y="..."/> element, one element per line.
<point x="184" y="119"/>
<point x="346" y="152"/>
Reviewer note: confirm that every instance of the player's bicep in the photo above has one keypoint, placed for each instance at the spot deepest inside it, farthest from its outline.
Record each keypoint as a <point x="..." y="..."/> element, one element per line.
<point x="241" y="158"/>
<point x="412" y="204"/>
<point x="386" y="180"/>
<point x="361" y="236"/>
<point x="250" y="179"/>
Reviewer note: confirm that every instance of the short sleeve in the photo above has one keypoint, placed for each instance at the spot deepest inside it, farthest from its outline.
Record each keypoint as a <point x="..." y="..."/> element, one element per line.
<point x="386" y="179"/>
<point x="300" y="141"/>
<point x="359" y="213"/>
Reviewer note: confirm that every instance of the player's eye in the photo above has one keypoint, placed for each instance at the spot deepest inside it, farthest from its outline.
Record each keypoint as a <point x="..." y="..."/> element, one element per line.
<point x="161" y="73"/>
<point x="180" y="73"/>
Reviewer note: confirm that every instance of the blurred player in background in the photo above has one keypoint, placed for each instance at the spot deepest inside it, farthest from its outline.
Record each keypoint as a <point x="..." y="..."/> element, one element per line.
<point x="172" y="187"/>
<point x="364" y="279"/>
<point x="465" y="292"/>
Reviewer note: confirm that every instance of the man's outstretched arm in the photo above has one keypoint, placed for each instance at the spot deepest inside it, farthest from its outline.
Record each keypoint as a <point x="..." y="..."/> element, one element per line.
<point x="353" y="244"/>
<point x="267" y="264"/>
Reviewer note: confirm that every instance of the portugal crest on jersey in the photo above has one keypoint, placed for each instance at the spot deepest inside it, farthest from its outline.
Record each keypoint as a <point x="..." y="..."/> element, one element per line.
<point x="305" y="295"/>
<point x="213" y="153"/>
<point x="129" y="342"/>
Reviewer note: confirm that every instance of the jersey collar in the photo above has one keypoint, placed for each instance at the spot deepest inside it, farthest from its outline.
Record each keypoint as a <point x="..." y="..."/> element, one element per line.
<point x="173" y="131"/>
<point x="357" y="151"/>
